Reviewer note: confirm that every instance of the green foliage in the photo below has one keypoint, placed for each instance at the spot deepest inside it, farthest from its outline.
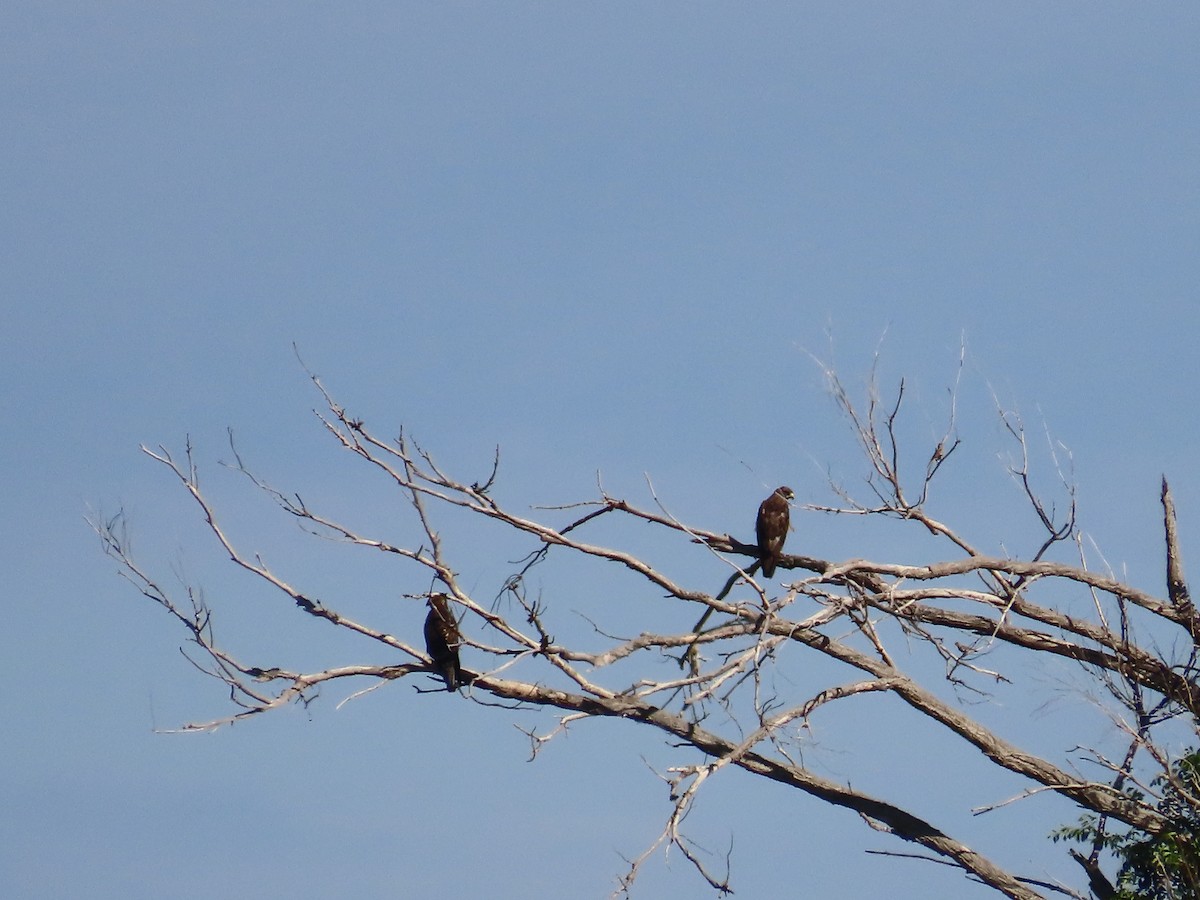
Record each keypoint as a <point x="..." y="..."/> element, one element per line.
<point x="1164" y="866"/>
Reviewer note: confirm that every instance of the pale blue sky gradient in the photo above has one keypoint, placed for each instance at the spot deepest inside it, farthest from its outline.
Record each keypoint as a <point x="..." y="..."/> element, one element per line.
<point x="604" y="237"/>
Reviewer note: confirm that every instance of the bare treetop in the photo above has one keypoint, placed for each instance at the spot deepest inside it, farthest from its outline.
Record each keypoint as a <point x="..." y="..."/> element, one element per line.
<point x="856" y="613"/>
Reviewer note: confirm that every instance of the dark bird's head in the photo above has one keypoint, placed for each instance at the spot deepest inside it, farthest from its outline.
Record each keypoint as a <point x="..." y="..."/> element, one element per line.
<point x="785" y="492"/>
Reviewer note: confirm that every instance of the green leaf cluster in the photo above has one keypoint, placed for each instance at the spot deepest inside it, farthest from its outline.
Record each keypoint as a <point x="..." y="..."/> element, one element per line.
<point x="1163" y="866"/>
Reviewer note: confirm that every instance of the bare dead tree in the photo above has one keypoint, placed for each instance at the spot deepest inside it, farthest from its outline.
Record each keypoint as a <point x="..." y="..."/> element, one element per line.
<point x="953" y="611"/>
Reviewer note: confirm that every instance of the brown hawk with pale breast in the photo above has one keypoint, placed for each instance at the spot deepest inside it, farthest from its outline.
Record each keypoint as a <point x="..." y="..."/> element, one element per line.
<point x="771" y="527"/>
<point x="442" y="638"/>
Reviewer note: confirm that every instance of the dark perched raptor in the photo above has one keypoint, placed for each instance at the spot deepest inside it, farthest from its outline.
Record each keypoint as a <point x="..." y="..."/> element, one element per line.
<point x="771" y="527"/>
<point x="442" y="638"/>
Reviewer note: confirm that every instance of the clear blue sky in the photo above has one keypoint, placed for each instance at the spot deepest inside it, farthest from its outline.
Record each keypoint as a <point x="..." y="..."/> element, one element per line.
<point x="602" y="236"/>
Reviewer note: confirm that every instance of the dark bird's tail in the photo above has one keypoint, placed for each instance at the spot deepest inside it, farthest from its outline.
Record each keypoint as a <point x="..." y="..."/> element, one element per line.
<point x="768" y="565"/>
<point x="452" y="675"/>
